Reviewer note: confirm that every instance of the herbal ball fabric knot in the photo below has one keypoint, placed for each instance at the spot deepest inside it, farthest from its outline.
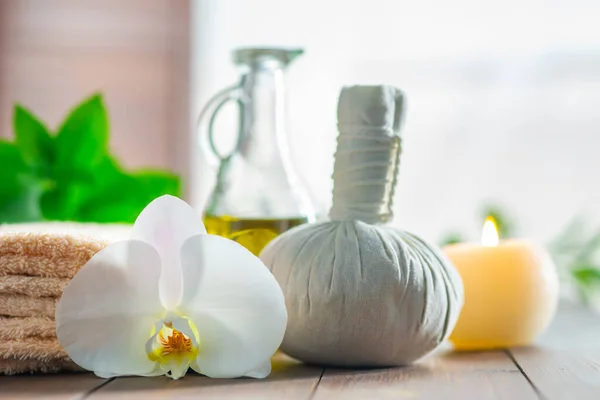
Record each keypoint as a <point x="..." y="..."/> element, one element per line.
<point x="358" y="292"/>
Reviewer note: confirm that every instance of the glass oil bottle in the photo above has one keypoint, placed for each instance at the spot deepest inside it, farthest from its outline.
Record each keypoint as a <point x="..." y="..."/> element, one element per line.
<point x="257" y="195"/>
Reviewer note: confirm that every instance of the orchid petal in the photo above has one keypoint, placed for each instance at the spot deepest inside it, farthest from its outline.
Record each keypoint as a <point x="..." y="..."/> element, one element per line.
<point x="107" y="311"/>
<point x="237" y="307"/>
<point x="108" y="375"/>
<point x="166" y="223"/>
<point x="260" y="372"/>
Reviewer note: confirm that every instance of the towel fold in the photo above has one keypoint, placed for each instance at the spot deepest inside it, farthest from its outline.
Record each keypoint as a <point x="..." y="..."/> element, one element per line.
<point x="42" y="349"/>
<point x="12" y="365"/>
<point x="53" y="250"/>
<point x="13" y="328"/>
<point x="17" y="305"/>
<point x="37" y="262"/>
<point x="30" y="345"/>
<point x="33" y="354"/>
<point x="40" y="265"/>
<point x="32" y="286"/>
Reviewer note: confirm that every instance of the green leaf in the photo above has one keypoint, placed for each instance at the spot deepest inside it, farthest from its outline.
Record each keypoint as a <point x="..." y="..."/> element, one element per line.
<point x="73" y="189"/>
<point x="19" y="191"/>
<point x="66" y="176"/>
<point x="127" y="194"/>
<point x="588" y="249"/>
<point x="452" y="238"/>
<point x="12" y="168"/>
<point x="21" y="208"/>
<point x="82" y="140"/>
<point x="105" y="176"/>
<point x="32" y="138"/>
<point x="155" y="183"/>
<point x="570" y="238"/>
<point x="22" y="203"/>
<point x="125" y="211"/>
<point x="587" y="275"/>
<point x="10" y="158"/>
<point x="587" y="281"/>
<point x="72" y="176"/>
<point x="61" y="203"/>
<point x="107" y="172"/>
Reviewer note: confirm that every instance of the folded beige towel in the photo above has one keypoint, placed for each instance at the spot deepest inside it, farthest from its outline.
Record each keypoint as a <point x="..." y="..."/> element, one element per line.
<point x="12" y="365"/>
<point x="37" y="261"/>
<point x="53" y="250"/>
<point x="18" y="305"/>
<point x="45" y="349"/>
<point x="29" y="345"/>
<point x="32" y="286"/>
<point x="26" y="327"/>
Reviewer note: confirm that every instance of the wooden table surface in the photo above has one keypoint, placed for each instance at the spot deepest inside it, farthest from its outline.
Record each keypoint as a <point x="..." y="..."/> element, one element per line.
<point x="564" y="364"/>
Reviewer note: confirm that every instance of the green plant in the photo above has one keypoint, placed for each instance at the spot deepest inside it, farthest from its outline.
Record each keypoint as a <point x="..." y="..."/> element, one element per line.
<point x="575" y="250"/>
<point x="71" y="174"/>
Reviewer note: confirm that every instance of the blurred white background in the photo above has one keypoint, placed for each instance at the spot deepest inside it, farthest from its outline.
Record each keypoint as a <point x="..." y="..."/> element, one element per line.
<point x="502" y="99"/>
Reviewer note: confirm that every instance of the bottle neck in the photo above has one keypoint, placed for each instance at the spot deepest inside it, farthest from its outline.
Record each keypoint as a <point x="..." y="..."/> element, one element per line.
<point x="264" y="139"/>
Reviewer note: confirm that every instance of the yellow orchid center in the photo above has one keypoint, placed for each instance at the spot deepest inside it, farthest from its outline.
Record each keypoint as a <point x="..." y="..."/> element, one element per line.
<point x="174" y="350"/>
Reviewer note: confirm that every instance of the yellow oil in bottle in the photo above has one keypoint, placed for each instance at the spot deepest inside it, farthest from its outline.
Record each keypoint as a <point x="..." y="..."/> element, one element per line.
<point x="253" y="234"/>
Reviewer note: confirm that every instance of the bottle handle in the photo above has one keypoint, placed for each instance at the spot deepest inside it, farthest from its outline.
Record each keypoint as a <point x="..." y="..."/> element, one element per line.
<point x="207" y="118"/>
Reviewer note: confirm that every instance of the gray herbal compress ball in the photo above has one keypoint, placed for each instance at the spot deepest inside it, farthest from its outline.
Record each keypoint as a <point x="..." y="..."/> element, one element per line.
<point x="359" y="292"/>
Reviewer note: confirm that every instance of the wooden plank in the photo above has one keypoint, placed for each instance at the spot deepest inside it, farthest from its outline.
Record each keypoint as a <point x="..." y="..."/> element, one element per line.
<point x="48" y="387"/>
<point x="289" y="380"/>
<point x="443" y="375"/>
<point x="564" y="365"/>
<point x="565" y="362"/>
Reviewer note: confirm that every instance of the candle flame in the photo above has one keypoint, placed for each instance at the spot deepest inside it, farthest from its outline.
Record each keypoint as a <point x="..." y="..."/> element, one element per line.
<point x="489" y="234"/>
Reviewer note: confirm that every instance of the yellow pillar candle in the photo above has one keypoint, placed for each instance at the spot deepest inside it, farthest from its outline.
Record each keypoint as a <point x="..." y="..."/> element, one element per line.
<point x="511" y="291"/>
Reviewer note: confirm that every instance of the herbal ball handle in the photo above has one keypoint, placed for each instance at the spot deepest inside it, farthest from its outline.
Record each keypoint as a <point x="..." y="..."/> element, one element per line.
<point x="206" y="122"/>
<point x="368" y="153"/>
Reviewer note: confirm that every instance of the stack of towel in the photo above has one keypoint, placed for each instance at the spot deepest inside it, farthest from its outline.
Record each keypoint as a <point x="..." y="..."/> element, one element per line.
<point x="37" y="261"/>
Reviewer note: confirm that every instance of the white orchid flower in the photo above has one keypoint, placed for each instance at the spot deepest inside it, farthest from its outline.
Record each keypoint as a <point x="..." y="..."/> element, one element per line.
<point x="170" y="299"/>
